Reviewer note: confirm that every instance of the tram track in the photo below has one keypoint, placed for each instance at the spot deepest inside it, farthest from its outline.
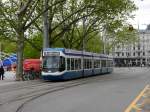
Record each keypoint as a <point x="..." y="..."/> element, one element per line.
<point x="63" y="87"/>
<point x="41" y="92"/>
<point x="51" y="87"/>
<point x="45" y="88"/>
<point x="35" y="90"/>
<point x="59" y="88"/>
<point x="26" y="86"/>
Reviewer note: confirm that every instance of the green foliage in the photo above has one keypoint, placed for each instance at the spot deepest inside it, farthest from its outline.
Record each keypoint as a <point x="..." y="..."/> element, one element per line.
<point x="8" y="46"/>
<point x="29" y="50"/>
<point x="95" y="44"/>
<point x="65" y="20"/>
<point x="127" y="37"/>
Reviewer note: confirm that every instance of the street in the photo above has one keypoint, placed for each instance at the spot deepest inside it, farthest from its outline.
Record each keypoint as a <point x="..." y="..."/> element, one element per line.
<point x="106" y="93"/>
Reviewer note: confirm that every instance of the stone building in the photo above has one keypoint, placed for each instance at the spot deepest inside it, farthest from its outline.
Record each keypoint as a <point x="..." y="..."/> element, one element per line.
<point x="137" y="54"/>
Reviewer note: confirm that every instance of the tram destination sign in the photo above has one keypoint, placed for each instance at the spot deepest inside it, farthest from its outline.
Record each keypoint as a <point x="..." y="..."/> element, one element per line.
<point x="47" y="53"/>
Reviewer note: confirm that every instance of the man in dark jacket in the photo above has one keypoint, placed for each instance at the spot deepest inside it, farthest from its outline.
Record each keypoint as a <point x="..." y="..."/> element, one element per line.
<point x="1" y="73"/>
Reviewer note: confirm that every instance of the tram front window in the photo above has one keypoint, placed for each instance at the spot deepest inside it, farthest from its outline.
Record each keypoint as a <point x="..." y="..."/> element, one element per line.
<point x="53" y="63"/>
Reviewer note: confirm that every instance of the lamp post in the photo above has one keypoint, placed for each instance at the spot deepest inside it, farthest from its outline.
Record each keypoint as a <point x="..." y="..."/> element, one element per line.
<point x="104" y="39"/>
<point x="84" y="34"/>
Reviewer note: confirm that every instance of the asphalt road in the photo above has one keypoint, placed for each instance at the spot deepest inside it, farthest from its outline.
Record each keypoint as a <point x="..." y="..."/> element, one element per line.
<point x="106" y="93"/>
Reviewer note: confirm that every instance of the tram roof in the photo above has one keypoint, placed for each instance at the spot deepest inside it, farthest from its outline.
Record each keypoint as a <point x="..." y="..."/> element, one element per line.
<point x="76" y="52"/>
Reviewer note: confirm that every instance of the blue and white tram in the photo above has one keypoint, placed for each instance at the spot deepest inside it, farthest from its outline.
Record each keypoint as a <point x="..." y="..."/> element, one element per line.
<point x="65" y="64"/>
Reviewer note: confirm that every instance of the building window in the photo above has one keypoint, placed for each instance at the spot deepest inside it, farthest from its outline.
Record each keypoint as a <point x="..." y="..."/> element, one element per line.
<point x="118" y="54"/>
<point x="139" y="47"/>
<point x="143" y="47"/>
<point x="118" y="47"/>
<point x="138" y="53"/>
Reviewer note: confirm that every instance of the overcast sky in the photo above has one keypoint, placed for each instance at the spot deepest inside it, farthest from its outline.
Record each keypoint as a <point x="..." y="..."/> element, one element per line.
<point x="142" y="14"/>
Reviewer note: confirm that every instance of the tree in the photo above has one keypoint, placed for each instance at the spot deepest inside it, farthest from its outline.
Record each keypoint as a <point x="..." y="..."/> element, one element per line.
<point x="123" y="36"/>
<point x="111" y="14"/>
<point x="19" y="16"/>
<point x="66" y="21"/>
<point x="66" y="30"/>
<point x="64" y="18"/>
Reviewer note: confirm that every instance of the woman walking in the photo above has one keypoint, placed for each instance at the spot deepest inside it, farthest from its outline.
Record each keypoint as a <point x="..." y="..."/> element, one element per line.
<point x="1" y="73"/>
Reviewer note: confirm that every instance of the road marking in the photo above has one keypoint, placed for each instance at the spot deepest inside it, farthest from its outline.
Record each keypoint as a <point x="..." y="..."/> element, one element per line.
<point x="133" y="104"/>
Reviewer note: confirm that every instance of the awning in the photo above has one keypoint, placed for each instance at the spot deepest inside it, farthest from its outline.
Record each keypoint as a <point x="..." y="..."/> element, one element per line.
<point x="10" y="60"/>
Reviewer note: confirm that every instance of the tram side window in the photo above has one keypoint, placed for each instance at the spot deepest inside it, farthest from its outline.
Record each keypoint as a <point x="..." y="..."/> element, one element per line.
<point x="103" y="63"/>
<point x="76" y="64"/>
<point x="90" y="63"/>
<point x="72" y="64"/>
<point x="96" y="63"/>
<point x="62" y="64"/>
<point x="111" y="63"/>
<point x="84" y="63"/>
<point x="79" y="63"/>
<point x="87" y="64"/>
<point x="68" y="63"/>
<point x="108" y="63"/>
<point x="99" y="63"/>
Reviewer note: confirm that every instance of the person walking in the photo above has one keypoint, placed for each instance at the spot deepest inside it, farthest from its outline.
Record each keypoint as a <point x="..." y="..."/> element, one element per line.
<point x="1" y="73"/>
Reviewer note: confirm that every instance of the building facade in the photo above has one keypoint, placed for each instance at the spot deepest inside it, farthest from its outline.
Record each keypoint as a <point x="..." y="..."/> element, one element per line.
<point x="136" y="54"/>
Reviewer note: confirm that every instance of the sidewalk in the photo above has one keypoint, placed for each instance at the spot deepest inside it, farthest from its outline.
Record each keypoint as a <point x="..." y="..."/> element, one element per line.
<point x="9" y="78"/>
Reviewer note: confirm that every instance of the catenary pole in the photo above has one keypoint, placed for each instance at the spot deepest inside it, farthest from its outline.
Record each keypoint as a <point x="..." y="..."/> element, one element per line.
<point x="45" y="26"/>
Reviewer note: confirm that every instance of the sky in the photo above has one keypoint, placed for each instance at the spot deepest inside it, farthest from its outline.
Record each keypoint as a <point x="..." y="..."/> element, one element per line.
<point x="142" y="18"/>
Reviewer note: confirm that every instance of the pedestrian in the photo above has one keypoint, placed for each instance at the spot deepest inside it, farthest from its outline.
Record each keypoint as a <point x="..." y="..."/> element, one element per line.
<point x="1" y="73"/>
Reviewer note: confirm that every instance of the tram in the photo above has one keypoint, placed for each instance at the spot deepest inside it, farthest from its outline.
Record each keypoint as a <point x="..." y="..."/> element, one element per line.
<point x="65" y="64"/>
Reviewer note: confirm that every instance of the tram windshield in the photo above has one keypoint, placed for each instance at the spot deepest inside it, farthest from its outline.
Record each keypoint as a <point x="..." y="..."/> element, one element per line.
<point x="53" y="63"/>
